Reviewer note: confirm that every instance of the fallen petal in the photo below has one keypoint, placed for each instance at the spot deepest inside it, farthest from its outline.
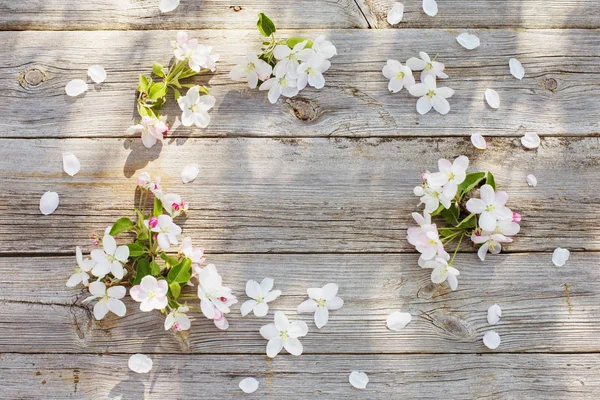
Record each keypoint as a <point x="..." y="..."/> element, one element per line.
<point x="531" y="140"/>
<point x="359" y="379"/>
<point x="478" y="141"/>
<point x="398" y="320"/>
<point x="249" y="385"/>
<point x="49" y="203"/>
<point x="516" y="68"/>
<point x="140" y="363"/>
<point x="395" y="14"/>
<point x="97" y="73"/>
<point x="494" y="314"/>
<point x="430" y="7"/>
<point x="560" y="256"/>
<point x="71" y="164"/>
<point x="491" y="340"/>
<point x="492" y="98"/>
<point x="468" y="41"/>
<point x="531" y="180"/>
<point x="168" y="5"/>
<point x="76" y="87"/>
<point x="190" y="172"/>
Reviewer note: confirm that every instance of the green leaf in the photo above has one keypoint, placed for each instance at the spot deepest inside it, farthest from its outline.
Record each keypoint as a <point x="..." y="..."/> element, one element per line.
<point x="186" y="73"/>
<point x="157" y="207"/>
<point x="177" y="94"/>
<point x="467" y="223"/>
<point x="121" y="225"/>
<point x="158" y="70"/>
<point x="181" y="273"/>
<point x="143" y="269"/>
<point x="175" y="289"/>
<point x="451" y="214"/>
<point x="265" y="26"/>
<point x="490" y="180"/>
<point x="157" y="90"/>
<point x="145" y="83"/>
<point x="154" y="268"/>
<point x="471" y="181"/>
<point x="135" y="249"/>
<point x="173" y="304"/>
<point x="291" y="42"/>
<point x="172" y="261"/>
<point x="439" y="210"/>
<point x="445" y="232"/>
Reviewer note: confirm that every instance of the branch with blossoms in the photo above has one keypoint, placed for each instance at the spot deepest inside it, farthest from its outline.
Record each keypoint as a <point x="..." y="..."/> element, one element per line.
<point x="190" y="59"/>
<point x="155" y="275"/>
<point x="448" y="195"/>
<point x="284" y="67"/>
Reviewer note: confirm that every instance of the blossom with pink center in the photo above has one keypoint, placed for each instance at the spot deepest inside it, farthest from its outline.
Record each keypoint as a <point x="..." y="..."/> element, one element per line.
<point x="152" y="222"/>
<point x="166" y="231"/>
<point x="516" y="217"/>
<point x="198" y="55"/>
<point x="173" y="204"/>
<point x="215" y="299"/>
<point x="152" y="130"/>
<point x="150" y="293"/>
<point x="145" y="182"/>
<point x="178" y="319"/>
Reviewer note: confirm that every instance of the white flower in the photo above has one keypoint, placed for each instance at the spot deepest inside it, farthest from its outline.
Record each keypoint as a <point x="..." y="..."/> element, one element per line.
<point x="531" y="180"/>
<point x="178" y="319"/>
<point x="140" y="363"/>
<point x="324" y="47"/>
<point x="248" y="385"/>
<point x="491" y="206"/>
<point x="71" y="164"/>
<point x="195" y="254"/>
<point x="414" y="232"/>
<point x="492" y="98"/>
<point x="431" y="96"/>
<point x="560" y="256"/>
<point x="173" y="204"/>
<point x="288" y="59"/>
<point x="145" y="182"/>
<point x="492" y="242"/>
<point x="109" y="300"/>
<point x="167" y="231"/>
<point x="111" y="259"/>
<point x="398" y="320"/>
<point x="478" y="141"/>
<point x="359" y="380"/>
<point x="493" y="315"/>
<point x="80" y="273"/>
<point x="431" y="196"/>
<point x="450" y="176"/>
<point x="430" y="245"/>
<point x="168" y="5"/>
<point x="468" y="41"/>
<point x="442" y="272"/>
<point x="429" y="68"/>
<point x="284" y="334"/>
<point x="49" y="203"/>
<point x="430" y="7"/>
<point x="198" y="56"/>
<point x="531" y="140"/>
<point x="395" y="14"/>
<point x="215" y="298"/>
<point x="152" y="130"/>
<point x="320" y="302"/>
<point x="399" y="75"/>
<point x="190" y="172"/>
<point x="97" y="73"/>
<point x="280" y="85"/>
<point x="76" y="87"/>
<point x="491" y="340"/>
<point x="195" y="108"/>
<point x="251" y="69"/>
<point x="150" y="293"/>
<point x="311" y="72"/>
<point x="261" y="295"/>
<point x="516" y="68"/>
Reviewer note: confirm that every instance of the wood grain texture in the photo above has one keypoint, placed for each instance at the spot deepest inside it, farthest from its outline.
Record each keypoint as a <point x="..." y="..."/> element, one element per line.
<point x="558" y="95"/>
<point x="191" y="14"/>
<point x="301" y="195"/>
<point x="544" y="308"/>
<point x="94" y="377"/>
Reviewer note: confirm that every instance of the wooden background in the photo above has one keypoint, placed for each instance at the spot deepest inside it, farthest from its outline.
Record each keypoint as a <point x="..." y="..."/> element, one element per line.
<point x="312" y="190"/>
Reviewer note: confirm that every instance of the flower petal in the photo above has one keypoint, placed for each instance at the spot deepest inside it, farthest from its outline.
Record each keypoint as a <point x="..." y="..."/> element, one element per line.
<point x="253" y="289"/>
<point x="140" y="363"/>
<point x="269" y="331"/>
<point x="190" y="172"/>
<point x="398" y="320"/>
<point x="531" y="180"/>
<point x="274" y="346"/>
<point x="395" y="14"/>
<point x="293" y="346"/>
<point x="307" y="306"/>
<point x="71" y="164"/>
<point x="531" y="140"/>
<point x="321" y="317"/>
<point x="478" y="141"/>
<point x="76" y="87"/>
<point x="334" y="304"/>
<point x="358" y="379"/>
<point x="266" y="285"/>
<point x="516" y="68"/>
<point x="560" y="256"/>
<point x="100" y="310"/>
<point x="492" y="98"/>
<point x="49" y="203"/>
<point x="491" y="340"/>
<point x="330" y="291"/>
<point x="116" y="306"/>
<point x="97" y="73"/>
<point x="424" y="105"/>
<point x="493" y="315"/>
<point x="468" y="41"/>
<point x="168" y="5"/>
<point x="430" y="7"/>
<point x="248" y="385"/>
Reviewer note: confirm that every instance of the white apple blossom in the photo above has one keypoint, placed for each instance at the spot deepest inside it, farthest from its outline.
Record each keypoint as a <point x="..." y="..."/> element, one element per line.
<point x="442" y="272"/>
<point x="324" y="47"/>
<point x="311" y="72"/>
<point x="424" y="222"/>
<point x="110" y="260"/>
<point x="261" y="294"/>
<point x="281" y="84"/>
<point x="195" y="254"/>
<point x="250" y="69"/>
<point x="178" y="319"/>
<point x="145" y="182"/>
<point x="320" y="301"/>
<point x="80" y="273"/>
<point x="152" y="129"/>
<point x="430" y="245"/>
<point x="450" y="175"/>
<point x="359" y="380"/>
<point x="167" y="231"/>
<point x="284" y="334"/>
<point x="491" y="242"/>
<point x="215" y="299"/>
<point x="431" y="196"/>
<point x="431" y="96"/>
<point x="198" y="55"/>
<point x="428" y="67"/>
<point x="288" y="59"/>
<point x="173" y="204"/>
<point x="195" y="108"/>
<point x="491" y="206"/>
<point x="108" y="300"/>
<point x="150" y="293"/>
<point x="399" y="75"/>
<point x="395" y="14"/>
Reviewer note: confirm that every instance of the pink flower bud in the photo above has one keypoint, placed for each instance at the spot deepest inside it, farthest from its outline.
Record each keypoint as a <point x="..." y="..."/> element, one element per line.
<point x="516" y="217"/>
<point x="185" y="205"/>
<point x="152" y="222"/>
<point x="95" y="243"/>
<point x="223" y="299"/>
<point x="155" y="236"/>
<point x="176" y="326"/>
<point x="175" y="206"/>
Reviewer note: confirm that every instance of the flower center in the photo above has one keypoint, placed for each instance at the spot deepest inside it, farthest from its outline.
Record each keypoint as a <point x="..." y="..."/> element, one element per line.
<point x="283" y="81"/>
<point x="432" y="242"/>
<point x="492" y="245"/>
<point x="260" y="299"/>
<point x="193" y="108"/>
<point x="151" y="294"/>
<point x="284" y="335"/>
<point x="489" y="208"/>
<point x="176" y="326"/>
<point x="250" y="67"/>
<point x="430" y="93"/>
<point x="310" y="71"/>
<point x="451" y="176"/>
<point x="321" y="303"/>
<point x="110" y="257"/>
<point x="400" y="75"/>
<point x="428" y="66"/>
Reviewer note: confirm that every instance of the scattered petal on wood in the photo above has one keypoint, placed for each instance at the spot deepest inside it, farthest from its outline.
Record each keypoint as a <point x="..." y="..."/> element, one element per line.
<point x="71" y="164"/>
<point x="398" y="320"/>
<point x="494" y="314"/>
<point x="491" y="340"/>
<point x="531" y="140"/>
<point x="97" y="73"/>
<point x="190" y="172"/>
<point x="168" y="5"/>
<point x="395" y="14"/>
<point x="249" y="385"/>
<point x="478" y="141"/>
<point x="531" y="180"/>
<point x="516" y="68"/>
<point x="560" y="256"/>
<point x="359" y="379"/>
<point x="430" y="7"/>
<point x="140" y="363"/>
<point x="49" y="203"/>
<point x="468" y="41"/>
<point x="492" y="98"/>
<point x="76" y="87"/>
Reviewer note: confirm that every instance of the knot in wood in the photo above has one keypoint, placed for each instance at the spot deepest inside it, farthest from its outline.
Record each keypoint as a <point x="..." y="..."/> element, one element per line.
<point x="550" y="84"/>
<point x="304" y="110"/>
<point x="31" y="77"/>
<point x="236" y="8"/>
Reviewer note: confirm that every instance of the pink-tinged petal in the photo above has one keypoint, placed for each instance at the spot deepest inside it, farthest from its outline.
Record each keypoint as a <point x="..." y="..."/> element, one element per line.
<point x="334" y="304"/>
<point x="122" y="253"/>
<point x="308" y="306"/>
<point x="148" y="283"/>
<point x="503" y="213"/>
<point x="137" y="293"/>
<point x="438" y="179"/>
<point x="163" y="241"/>
<point x="162" y="287"/>
<point x="221" y="323"/>
<point x="321" y="317"/>
<point x="468" y="41"/>
<point x="274" y="346"/>
<point x="293" y="346"/>
<point x="269" y="331"/>
<point x="500" y="199"/>
<point x="487" y="221"/>
<point x="487" y="194"/>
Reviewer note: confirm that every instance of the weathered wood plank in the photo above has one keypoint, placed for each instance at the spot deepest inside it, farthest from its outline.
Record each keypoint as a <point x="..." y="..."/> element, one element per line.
<point x="509" y="376"/>
<point x="300" y="195"/>
<point x="205" y="14"/>
<point x="557" y="96"/>
<point x="544" y="308"/>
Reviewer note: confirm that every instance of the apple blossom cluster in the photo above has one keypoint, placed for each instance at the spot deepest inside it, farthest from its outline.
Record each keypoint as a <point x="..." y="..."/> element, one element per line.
<point x="190" y="58"/>
<point x="284" y="67"/>
<point x="430" y="96"/>
<point x="154" y="275"/>
<point x="448" y="194"/>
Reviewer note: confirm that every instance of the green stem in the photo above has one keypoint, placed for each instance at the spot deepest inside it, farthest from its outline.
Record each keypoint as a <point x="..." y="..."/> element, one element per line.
<point x="457" y="247"/>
